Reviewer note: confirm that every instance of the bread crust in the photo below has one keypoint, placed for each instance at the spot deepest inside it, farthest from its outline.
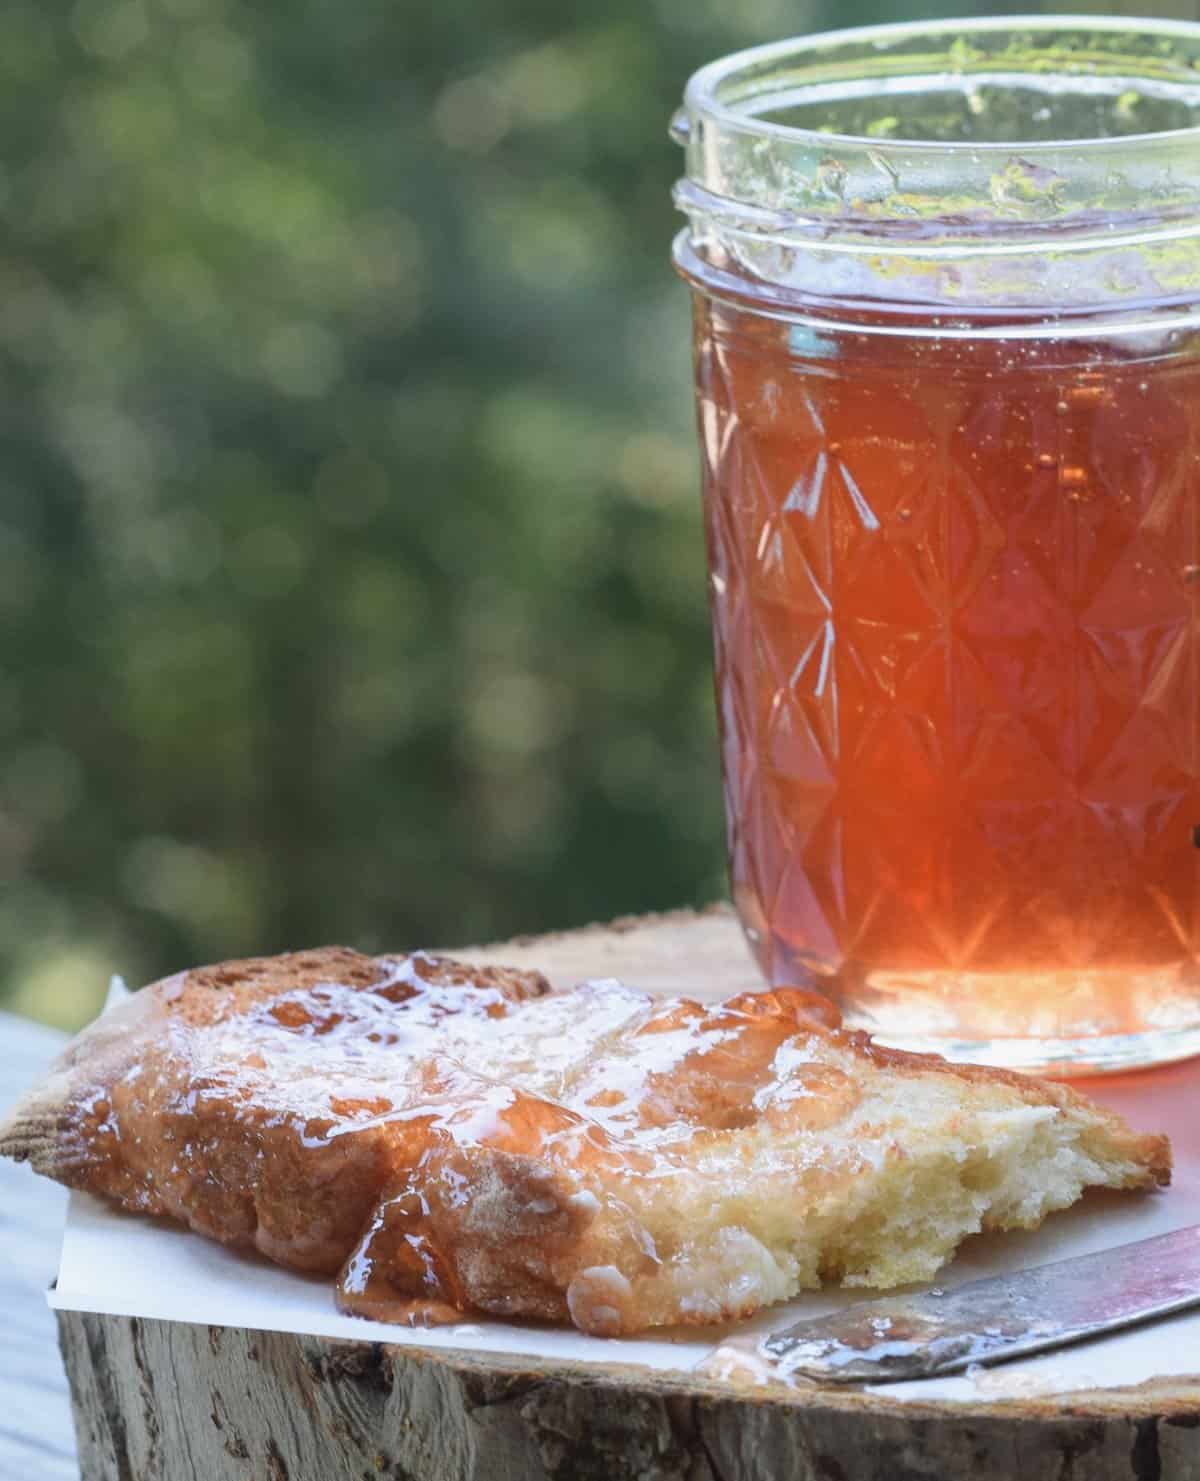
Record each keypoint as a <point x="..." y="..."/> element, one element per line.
<point x="447" y="1137"/>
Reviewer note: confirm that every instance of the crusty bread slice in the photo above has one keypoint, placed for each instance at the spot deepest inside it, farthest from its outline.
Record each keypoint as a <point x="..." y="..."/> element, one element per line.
<point x="454" y="1138"/>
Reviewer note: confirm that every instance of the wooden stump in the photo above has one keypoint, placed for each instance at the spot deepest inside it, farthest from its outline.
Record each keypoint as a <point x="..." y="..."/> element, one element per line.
<point x="164" y="1400"/>
<point x="188" y="1403"/>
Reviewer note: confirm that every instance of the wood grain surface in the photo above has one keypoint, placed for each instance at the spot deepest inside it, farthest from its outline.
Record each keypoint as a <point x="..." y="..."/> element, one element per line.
<point x="162" y="1401"/>
<point x="37" y="1441"/>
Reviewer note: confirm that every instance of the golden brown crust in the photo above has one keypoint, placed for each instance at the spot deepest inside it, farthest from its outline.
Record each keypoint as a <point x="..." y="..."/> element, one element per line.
<point x="203" y="994"/>
<point x="42" y="1128"/>
<point x="456" y="1136"/>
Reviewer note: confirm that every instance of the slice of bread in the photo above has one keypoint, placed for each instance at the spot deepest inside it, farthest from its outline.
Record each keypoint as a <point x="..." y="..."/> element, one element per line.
<point x="449" y="1138"/>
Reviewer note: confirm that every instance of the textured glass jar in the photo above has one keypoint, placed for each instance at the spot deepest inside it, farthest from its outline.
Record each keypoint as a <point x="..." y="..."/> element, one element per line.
<point x="947" y="308"/>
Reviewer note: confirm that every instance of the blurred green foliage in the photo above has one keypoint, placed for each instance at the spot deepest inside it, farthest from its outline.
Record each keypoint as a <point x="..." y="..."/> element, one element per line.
<point x="351" y="572"/>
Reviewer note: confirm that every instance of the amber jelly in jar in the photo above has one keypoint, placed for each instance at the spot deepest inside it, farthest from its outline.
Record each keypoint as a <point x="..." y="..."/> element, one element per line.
<point x="946" y="281"/>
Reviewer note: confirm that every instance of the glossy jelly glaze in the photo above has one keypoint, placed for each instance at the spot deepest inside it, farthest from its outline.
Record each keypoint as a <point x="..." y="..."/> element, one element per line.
<point x="447" y="1138"/>
<point x="954" y="585"/>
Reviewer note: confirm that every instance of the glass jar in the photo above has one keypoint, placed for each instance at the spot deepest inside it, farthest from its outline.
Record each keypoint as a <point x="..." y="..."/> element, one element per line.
<point x="947" y="347"/>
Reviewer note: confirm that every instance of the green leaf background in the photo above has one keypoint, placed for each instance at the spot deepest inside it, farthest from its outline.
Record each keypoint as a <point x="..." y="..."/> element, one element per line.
<point x="351" y="569"/>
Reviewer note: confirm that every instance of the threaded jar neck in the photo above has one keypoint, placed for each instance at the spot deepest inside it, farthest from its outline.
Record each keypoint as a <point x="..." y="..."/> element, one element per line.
<point x="1043" y="166"/>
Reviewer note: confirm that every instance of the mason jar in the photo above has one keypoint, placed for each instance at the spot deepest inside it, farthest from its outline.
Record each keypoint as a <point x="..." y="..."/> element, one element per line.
<point x="946" y="284"/>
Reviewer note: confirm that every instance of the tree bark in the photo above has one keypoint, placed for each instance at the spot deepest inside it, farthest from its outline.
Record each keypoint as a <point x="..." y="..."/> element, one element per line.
<point x="164" y="1401"/>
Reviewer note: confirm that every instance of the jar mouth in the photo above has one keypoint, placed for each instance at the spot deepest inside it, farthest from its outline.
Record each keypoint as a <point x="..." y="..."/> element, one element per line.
<point x="1033" y="165"/>
<point x="1124" y="62"/>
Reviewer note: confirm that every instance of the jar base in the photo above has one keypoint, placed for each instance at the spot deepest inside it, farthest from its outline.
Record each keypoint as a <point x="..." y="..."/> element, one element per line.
<point x="1065" y="1023"/>
<point x="1060" y="1059"/>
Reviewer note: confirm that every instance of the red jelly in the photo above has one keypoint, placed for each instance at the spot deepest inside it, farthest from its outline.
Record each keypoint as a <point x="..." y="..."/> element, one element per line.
<point x="948" y="383"/>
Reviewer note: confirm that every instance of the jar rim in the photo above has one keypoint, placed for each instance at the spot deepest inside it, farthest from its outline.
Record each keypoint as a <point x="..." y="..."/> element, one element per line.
<point x="702" y="93"/>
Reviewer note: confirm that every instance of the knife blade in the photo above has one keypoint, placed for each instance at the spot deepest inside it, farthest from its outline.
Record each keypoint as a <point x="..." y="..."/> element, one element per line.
<point x="992" y="1320"/>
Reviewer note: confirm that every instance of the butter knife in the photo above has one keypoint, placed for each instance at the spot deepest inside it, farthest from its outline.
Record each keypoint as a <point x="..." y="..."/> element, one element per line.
<point x="994" y="1319"/>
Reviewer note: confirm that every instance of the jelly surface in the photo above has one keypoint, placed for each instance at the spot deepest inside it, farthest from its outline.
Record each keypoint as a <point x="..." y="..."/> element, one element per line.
<point x="444" y="1140"/>
<point x="954" y="590"/>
